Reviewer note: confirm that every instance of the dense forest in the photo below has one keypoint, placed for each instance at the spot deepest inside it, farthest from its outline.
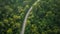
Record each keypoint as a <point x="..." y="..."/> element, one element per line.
<point x="44" y="18"/>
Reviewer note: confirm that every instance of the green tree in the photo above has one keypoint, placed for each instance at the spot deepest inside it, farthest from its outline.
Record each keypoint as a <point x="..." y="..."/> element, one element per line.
<point x="43" y="19"/>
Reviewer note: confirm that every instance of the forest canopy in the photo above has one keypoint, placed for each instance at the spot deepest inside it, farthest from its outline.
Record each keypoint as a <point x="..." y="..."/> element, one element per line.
<point x="43" y="19"/>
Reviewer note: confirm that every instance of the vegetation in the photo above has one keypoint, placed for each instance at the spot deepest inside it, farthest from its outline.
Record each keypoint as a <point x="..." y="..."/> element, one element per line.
<point x="43" y="19"/>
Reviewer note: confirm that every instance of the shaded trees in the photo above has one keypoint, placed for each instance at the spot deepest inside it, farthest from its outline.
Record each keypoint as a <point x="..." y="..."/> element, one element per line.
<point x="43" y="19"/>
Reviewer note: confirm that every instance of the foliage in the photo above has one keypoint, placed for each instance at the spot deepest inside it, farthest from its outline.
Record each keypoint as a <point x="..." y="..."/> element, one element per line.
<point x="43" y="19"/>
